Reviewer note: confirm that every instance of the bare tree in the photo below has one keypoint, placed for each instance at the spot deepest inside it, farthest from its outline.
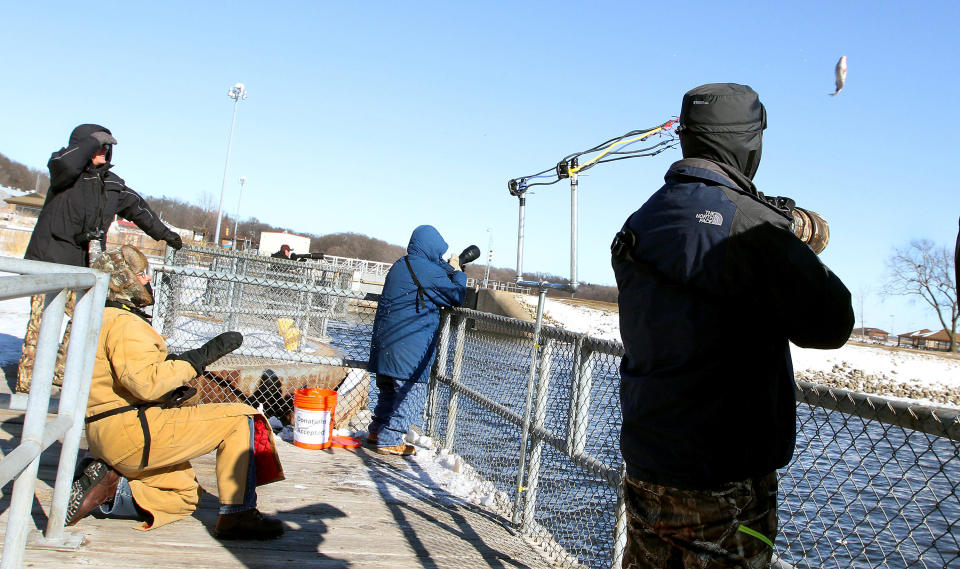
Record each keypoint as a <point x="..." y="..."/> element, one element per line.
<point x="923" y="269"/>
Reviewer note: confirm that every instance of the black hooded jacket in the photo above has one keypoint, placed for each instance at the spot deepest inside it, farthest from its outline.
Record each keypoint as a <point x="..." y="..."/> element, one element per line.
<point x="82" y="200"/>
<point x="713" y="284"/>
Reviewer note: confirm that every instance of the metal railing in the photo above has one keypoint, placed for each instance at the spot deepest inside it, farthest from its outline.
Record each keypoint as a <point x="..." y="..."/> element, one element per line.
<point x="22" y="463"/>
<point x="508" y="286"/>
<point x="536" y="413"/>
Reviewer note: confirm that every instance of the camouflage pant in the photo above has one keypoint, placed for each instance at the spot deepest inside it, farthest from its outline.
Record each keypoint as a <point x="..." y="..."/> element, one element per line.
<point x="29" y="353"/>
<point x="669" y="528"/>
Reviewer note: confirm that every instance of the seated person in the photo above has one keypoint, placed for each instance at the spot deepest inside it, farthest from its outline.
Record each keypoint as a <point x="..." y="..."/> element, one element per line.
<point x="142" y="442"/>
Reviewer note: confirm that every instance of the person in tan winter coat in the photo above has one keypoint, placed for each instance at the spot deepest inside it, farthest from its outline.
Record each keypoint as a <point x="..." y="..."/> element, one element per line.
<point x="142" y="442"/>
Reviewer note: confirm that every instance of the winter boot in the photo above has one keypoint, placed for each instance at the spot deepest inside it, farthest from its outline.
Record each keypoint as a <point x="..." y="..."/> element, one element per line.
<point x="248" y="524"/>
<point x="372" y="440"/>
<point x="399" y="450"/>
<point x="95" y="484"/>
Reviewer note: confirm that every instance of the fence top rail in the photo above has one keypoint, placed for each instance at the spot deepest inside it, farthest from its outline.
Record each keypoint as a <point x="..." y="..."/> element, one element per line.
<point x="27" y="267"/>
<point x="937" y="421"/>
<point x="610" y="347"/>
<point x="233" y="277"/>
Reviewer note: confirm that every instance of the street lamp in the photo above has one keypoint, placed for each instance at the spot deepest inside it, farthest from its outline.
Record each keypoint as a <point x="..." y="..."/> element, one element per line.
<point x="238" y="93"/>
<point x="236" y="219"/>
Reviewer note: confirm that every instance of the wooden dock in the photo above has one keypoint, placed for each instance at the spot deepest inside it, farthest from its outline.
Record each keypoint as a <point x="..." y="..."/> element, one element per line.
<point x="342" y="508"/>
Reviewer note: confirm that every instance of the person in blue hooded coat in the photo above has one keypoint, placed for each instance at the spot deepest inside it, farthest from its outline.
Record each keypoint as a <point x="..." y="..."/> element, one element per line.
<point x="405" y="333"/>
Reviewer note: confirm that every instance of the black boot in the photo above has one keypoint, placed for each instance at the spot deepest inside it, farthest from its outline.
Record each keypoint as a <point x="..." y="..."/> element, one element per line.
<point x="248" y="524"/>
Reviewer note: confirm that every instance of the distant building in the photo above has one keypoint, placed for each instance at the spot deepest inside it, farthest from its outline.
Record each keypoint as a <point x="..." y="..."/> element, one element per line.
<point x="925" y="340"/>
<point x="874" y="334"/>
<point x="23" y="211"/>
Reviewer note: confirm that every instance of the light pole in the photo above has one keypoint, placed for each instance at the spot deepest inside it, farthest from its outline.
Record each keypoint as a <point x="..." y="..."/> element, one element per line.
<point x="236" y="219"/>
<point x="486" y="274"/>
<point x="238" y="93"/>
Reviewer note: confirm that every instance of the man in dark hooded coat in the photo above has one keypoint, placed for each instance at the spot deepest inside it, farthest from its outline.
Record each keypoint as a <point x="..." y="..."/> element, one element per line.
<point x="405" y="332"/>
<point x="83" y="198"/>
<point x="713" y="285"/>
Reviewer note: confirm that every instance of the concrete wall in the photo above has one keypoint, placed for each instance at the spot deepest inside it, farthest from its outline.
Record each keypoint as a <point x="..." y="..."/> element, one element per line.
<point x="502" y="303"/>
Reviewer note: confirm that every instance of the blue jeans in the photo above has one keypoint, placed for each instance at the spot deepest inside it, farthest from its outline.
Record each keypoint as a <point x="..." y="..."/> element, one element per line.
<point x="399" y="405"/>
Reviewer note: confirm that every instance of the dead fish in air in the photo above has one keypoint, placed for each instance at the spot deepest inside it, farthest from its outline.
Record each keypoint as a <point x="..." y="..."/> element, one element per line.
<point x="841" y="74"/>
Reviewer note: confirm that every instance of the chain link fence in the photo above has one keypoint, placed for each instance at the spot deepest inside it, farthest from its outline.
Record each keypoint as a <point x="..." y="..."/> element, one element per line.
<point x="535" y="413"/>
<point x="873" y="484"/>
<point x="305" y="324"/>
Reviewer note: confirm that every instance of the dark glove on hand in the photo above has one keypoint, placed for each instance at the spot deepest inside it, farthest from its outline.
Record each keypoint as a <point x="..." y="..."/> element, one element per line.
<point x="174" y="240"/>
<point x="104" y="138"/>
<point x="210" y="352"/>
<point x="178" y="396"/>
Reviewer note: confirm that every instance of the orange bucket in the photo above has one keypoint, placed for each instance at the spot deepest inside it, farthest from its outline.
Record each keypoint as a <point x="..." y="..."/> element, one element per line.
<point x="313" y="417"/>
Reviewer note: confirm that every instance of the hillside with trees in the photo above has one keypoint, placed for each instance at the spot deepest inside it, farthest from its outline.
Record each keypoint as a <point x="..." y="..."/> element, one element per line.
<point x="16" y="175"/>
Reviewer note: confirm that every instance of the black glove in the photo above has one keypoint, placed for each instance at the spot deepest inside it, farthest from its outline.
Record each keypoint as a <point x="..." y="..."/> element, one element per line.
<point x="178" y="396"/>
<point x="210" y="352"/>
<point x="174" y="240"/>
<point x="104" y="138"/>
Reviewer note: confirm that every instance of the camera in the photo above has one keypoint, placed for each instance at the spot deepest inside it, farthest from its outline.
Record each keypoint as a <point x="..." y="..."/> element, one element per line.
<point x="808" y="225"/>
<point x="85" y="237"/>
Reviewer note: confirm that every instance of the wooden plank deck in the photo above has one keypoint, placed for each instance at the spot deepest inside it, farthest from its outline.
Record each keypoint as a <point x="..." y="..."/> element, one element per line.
<point x="342" y="508"/>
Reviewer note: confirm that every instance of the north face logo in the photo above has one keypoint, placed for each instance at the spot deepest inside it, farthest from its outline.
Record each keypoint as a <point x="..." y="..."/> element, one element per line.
<point x="711" y="217"/>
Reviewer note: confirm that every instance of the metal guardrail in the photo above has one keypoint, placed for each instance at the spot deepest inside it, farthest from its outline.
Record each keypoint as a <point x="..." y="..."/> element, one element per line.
<point x="874" y="482"/>
<point x="22" y="464"/>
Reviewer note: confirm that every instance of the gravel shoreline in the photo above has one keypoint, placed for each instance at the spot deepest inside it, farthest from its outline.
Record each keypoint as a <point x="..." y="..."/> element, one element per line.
<point x="845" y="376"/>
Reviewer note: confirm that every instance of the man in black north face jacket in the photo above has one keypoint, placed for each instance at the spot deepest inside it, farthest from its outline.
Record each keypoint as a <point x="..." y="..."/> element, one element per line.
<point x="713" y="285"/>
<point x="83" y="198"/>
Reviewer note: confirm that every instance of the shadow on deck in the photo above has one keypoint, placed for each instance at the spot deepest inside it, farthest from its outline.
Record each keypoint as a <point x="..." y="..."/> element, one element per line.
<point x="342" y="508"/>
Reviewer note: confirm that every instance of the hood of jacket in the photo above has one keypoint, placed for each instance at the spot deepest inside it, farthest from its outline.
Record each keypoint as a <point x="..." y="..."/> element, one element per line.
<point x="723" y="122"/>
<point x="425" y="241"/>
<point x="86" y="130"/>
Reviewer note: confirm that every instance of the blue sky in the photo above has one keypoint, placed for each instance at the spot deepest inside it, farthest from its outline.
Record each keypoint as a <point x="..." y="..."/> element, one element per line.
<point x="376" y="118"/>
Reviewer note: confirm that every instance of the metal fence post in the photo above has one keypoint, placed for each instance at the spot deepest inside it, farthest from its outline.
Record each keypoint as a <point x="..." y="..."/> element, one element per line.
<point x="78" y="372"/>
<point x="531" y="382"/>
<point x="455" y="379"/>
<point x="620" y="523"/>
<point x="579" y="413"/>
<point x="539" y="417"/>
<point x="439" y="368"/>
<point x="232" y="287"/>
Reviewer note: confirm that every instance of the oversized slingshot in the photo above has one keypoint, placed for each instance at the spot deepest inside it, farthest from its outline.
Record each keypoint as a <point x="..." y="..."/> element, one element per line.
<point x="570" y="167"/>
